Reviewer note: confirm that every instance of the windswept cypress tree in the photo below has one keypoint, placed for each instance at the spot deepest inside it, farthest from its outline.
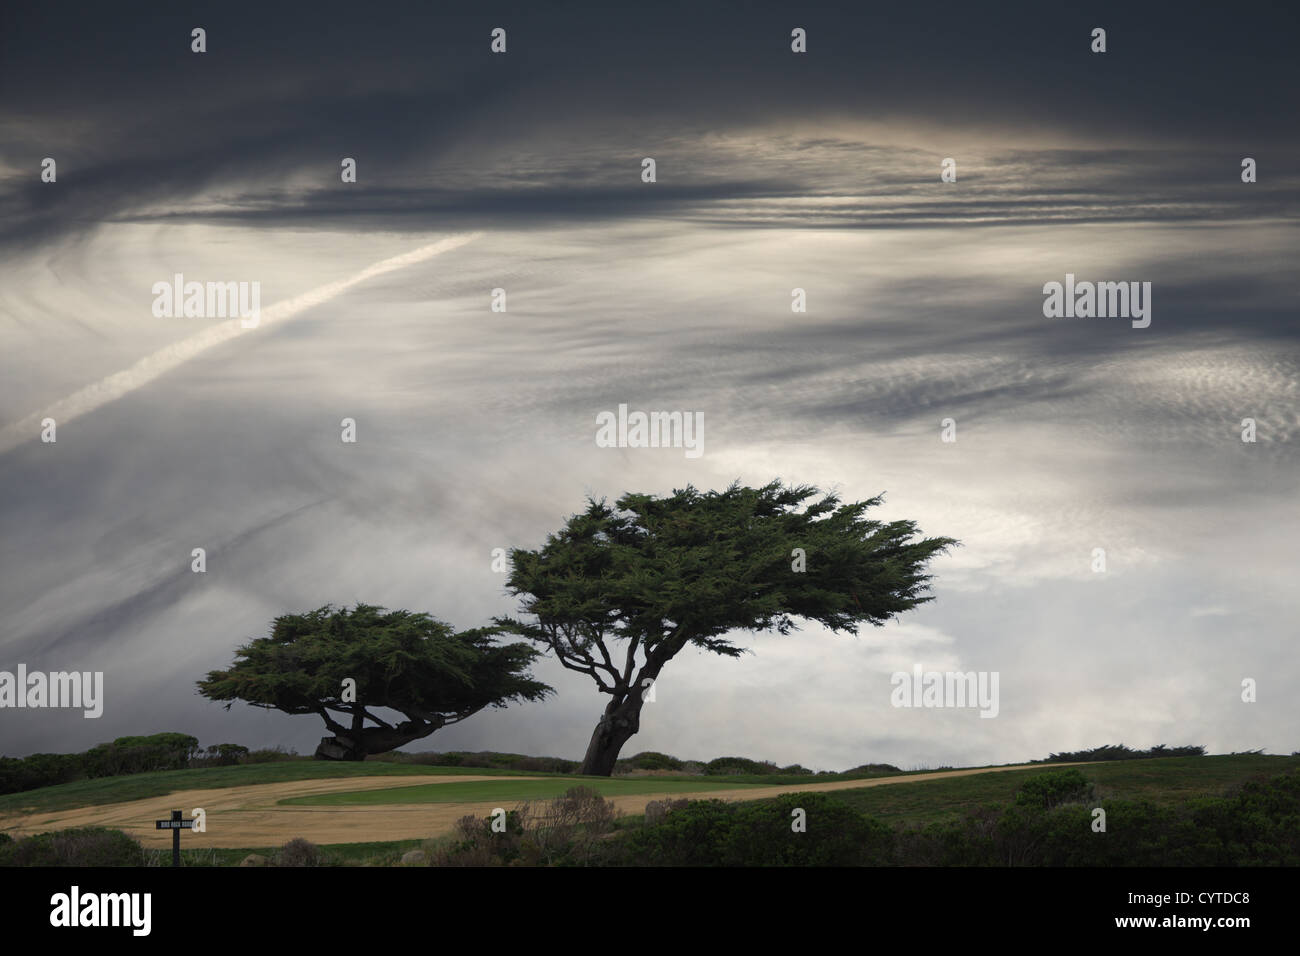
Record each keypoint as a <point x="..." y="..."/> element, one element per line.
<point x="398" y="660"/>
<point x="619" y="591"/>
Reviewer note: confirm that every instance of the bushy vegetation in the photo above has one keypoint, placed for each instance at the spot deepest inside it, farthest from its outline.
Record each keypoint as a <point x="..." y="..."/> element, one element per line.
<point x="874" y="768"/>
<point x="486" y="759"/>
<point x="299" y="852"/>
<point x="714" y="833"/>
<point x="84" y="846"/>
<point x="1120" y="752"/>
<point x="271" y="755"/>
<point x="166" y="751"/>
<point x="39" y="770"/>
<point x="566" y="831"/>
<point x="1259" y="826"/>
<point x="1049" y="824"/>
<point x="124" y="756"/>
<point x="733" y="766"/>
<point x="1047" y="790"/>
<point x="647" y="760"/>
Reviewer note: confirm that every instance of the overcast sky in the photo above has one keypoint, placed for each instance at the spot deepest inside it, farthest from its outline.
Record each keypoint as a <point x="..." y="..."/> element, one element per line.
<point x="476" y="430"/>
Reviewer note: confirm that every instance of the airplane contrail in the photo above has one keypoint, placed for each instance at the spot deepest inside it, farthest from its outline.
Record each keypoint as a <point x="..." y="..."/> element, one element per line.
<point x="169" y="357"/>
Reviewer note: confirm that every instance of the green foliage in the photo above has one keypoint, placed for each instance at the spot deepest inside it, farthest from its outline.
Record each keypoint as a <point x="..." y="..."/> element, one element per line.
<point x="274" y="754"/>
<point x="1258" y="826"/>
<point x="874" y="769"/>
<point x="697" y="565"/>
<point x="401" y="660"/>
<point x="484" y="758"/>
<point x="693" y="568"/>
<point x="648" y="760"/>
<point x="165" y="751"/>
<point x="85" y="846"/>
<point x="688" y="836"/>
<point x="1120" y="752"/>
<point x="125" y="755"/>
<point x="39" y="770"/>
<point x="732" y="766"/>
<point x="1047" y="790"/>
<point x="760" y="833"/>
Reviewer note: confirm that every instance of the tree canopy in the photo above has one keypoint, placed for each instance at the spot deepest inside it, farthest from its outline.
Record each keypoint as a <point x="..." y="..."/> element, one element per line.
<point x="399" y="660"/>
<point x="618" y="591"/>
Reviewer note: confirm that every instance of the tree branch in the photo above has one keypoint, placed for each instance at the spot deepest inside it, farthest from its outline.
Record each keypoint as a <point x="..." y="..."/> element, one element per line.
<point x="330" y="722"/>
<point x="381" y="723"/>
<point x="609" y="667"/>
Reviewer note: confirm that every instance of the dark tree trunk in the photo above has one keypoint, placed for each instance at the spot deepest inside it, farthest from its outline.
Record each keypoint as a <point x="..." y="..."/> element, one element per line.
<point x="356" y="743"/>
<point x="622" y="717"/>
<point x="617" y="726"/>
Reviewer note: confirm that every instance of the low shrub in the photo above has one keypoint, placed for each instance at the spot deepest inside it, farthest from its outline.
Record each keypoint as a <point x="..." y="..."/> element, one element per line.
<point x="299" y="852"/>
<point x="220" y="755"/>
<point x="271" y="755"/>
<point x="566" y="831"/>
<point x="82" y="846"/>
<point x="1047" y="790"/>
<point x="656" y="810"/>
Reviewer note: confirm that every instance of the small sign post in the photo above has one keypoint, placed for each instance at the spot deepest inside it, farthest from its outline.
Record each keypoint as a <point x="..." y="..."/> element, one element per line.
<point x="176" y="825"/>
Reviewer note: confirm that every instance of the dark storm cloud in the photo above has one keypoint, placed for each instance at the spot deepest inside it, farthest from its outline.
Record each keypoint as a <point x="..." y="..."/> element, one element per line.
<point x="138" y="122"/>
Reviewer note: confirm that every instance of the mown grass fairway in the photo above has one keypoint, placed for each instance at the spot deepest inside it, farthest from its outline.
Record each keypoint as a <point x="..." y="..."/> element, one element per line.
<point x="516" y="790"/>
<point x="104" y="790"/>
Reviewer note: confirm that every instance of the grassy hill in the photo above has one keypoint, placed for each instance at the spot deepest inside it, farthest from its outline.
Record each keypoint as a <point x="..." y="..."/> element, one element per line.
<point x="1166" y="781"/>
